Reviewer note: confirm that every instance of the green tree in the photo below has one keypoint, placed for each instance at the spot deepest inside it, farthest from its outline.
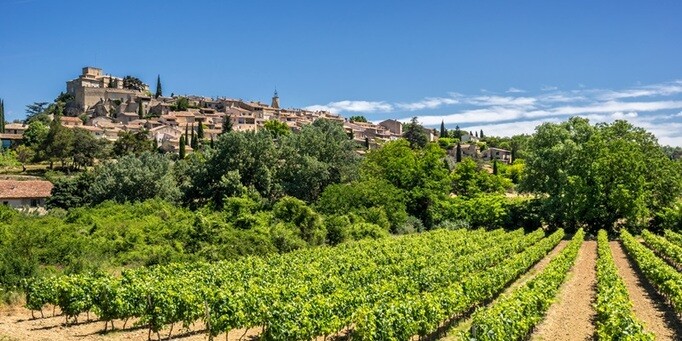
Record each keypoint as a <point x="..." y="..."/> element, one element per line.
<point x="227" y="124"/>
<point x="240" y="162"/>
<point x="159" y="90"/>
<point x="86" y="148"/>
<point x="182" y="147"/>
<point x="421" y="173"/>
<point x="277" y="128"/>
<point x="481" y="135"/>
<point x="470" y="179"/>
<point x="458" y="155"/>
<point x="24" y="155"/>
<point x="133" y="178"/>
<point x="414" y="133"/>
<point x="133" y="83"/>
<point x="2" y="116"/>
<point x="140" y="110"/>
<point x="443" y="131"/>
<point x="308" y="222"/>
<point x="58" y="143"/>
<point x="200" y="132"/>
<point x="129" y="142"/>
<point x="599" y="176"/>
<point x="494" y="166"/>
<point x="357" y="119"/>
<point x="37" y="112"/>
<point x="193" y="142"/>
<point x="181" y="104"/>
<point x="318" y="156"/>
<point x="358" y="197"/>
<point x="457" y="133"/>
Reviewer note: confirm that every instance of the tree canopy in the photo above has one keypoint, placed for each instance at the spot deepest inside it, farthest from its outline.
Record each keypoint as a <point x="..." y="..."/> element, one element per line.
<point x="606" y="175"/>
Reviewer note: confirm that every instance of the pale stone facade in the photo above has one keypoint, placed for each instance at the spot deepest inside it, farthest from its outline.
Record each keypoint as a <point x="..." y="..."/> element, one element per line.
<point x="92" y="86"/>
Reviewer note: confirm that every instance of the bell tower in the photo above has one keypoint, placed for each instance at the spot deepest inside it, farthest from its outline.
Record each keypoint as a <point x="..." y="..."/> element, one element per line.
<point x="275" y="101"/>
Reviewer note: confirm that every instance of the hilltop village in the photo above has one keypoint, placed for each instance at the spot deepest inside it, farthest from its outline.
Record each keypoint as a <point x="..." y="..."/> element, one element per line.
<point x="106" y="105"/>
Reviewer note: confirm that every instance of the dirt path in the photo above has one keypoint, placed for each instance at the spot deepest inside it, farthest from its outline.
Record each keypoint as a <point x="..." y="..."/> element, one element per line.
<point x="16" y="324"/>
<point x="464" y="325"/>
<point x="648" y="305"/>
<point x="571" y="316"/>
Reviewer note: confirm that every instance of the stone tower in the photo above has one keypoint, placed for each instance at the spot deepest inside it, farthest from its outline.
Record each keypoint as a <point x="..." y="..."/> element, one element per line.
<point x="275" y="101"/>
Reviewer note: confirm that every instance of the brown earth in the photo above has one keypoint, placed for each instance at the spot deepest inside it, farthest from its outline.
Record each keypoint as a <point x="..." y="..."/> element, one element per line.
<point x="16" y="324"/>
<point x="648" y="306"/>
<point x="454" y="333"/>
<point x="571" y="316"/>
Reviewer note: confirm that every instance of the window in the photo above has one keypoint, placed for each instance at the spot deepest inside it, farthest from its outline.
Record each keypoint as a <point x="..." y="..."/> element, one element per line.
<point x="6" y="203"/>
<point x="34" y="202"/>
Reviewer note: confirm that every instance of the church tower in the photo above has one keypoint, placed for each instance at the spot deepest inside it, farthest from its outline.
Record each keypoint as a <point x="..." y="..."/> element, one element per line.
<point x="275" y="101"/>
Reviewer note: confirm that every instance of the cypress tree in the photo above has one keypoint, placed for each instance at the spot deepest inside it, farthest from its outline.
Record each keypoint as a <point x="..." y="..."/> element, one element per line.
<point x="227" y="125"/>
<point x="200" y="132"/>
<point x="443" y="131"/>
<point x="193" y="141"/>
<point x="366" y="142"/>
<point x="186" y="132"/>
<point x="212" y="145"/>
<point x="494" y="165"/>
<point x="2" y="116"/>
<point x="159" y="91"/>
<point x="140" y="110"/>
<point x="481" y="134"/>
<point x="458" y="156"/>
<point x="182" y="147"/>
<point x="458" y="132"/>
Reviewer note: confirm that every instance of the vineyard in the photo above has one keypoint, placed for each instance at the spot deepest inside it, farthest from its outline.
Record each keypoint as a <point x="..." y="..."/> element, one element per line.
<point x="401" y="288"/>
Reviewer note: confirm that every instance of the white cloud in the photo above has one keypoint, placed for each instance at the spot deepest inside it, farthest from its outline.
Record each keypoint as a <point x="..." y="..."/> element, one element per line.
<point x="667" y="133"/>
<point x="655" y="106"/>
<point x="666" y="89"/>
<point x="427" y="103"/>
<point x="353" y="106"/>
<point x="515" y="90"/>
<point x="502" y="101"/>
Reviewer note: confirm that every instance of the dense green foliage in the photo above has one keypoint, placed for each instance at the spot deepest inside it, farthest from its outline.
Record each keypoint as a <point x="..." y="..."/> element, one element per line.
<point x="480" y="277"/>
<point x="664" y="248"/>
<point x="599" y="176"/>
<point x="615" y="318"/>
<point x="345" y="283"/>
<point x="514" y="316"/>
<point x="112" y="235"/>
<point x="666" y="279"/>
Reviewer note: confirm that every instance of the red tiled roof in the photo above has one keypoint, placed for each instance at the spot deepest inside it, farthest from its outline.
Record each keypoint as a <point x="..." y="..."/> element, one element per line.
<point x="12" y="189"/>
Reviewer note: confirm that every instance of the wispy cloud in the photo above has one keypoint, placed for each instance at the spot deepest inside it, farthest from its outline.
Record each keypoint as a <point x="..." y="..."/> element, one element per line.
<point x="501" y="101"/>
<point x="656" y="107"/>
<point x="353" y="106"/>
<point x="427" y="103"/>
<point x="515" y="90"/>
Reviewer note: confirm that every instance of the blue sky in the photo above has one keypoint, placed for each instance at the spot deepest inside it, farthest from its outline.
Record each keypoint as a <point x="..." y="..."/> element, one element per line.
<point x="503" y="66"/>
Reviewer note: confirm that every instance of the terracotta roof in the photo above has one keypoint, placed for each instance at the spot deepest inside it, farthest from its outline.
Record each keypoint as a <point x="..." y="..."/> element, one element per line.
<point x="70" y="119"/>
<point x="7" y="136"/>
<point x="12" y="189"/>
<point x="12" y="126"/>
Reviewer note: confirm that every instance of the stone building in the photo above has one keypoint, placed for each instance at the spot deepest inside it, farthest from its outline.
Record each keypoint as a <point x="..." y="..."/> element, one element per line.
<point x="92" y="87"/>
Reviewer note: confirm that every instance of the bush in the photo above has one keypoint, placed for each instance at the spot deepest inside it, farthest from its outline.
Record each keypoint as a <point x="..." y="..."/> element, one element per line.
<point x="359" y="231"/>
<point x="309" y="223"/>
<point x="337" y="229"/>
<point x="411" y="225"/>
